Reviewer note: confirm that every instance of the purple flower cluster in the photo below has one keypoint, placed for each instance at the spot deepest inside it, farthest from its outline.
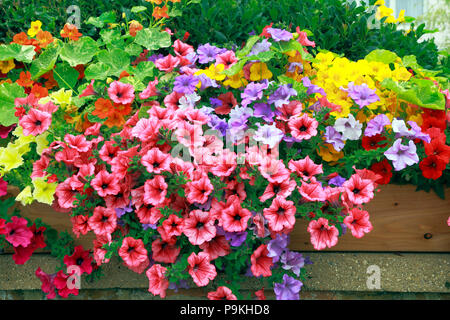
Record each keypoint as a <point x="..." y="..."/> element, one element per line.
<point x="362" y="94"/>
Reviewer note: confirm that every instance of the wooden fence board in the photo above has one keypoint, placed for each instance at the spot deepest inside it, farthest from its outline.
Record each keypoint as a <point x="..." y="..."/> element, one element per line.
<point x="401" y="217"/>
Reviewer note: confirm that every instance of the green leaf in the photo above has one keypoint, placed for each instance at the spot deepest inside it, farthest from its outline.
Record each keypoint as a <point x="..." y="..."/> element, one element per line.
<point x="143" y="70"/>
<point x="65" y="75"/>
<point x="109" y="36"/>
<point x="138" y="9"/>
<point x="116" y="59"/>
<point x="236" y="68"/>
<point x="263" y="56"/>
<point x="138" y="85"/>
<point x="417" y="91"/>
<point x="381" y="55"/>
<point x="153" y="39"/>
<point x="79" y="52"/>
<point x="290" y="45"/>
<point x="411" y="62"/>
<point x="17" y="51"/>
<point x="133" y="49"/>
<point x="97" y="71"/>
<point x="104" y="18"/>
<point x="45" y="61"/>
<point x="248" y="46"/>
<point x="8" y="94"/>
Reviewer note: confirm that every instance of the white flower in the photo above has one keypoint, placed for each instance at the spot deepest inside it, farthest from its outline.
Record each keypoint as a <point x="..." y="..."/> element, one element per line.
<point x="269" y="135"/>
<point x="188" y="100"/>
<point x="350" y="128"/>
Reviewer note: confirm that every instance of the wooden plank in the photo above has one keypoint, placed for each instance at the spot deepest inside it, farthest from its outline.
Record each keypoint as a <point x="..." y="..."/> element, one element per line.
<point x="401" y="217"/>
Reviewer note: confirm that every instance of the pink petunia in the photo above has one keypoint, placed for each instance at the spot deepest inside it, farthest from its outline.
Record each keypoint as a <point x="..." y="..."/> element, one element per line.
<point x="103" y="221"/>
<point x="322" y="235"/>
<point x="303" y="127"/>
<point x="280" y="215"/>
<point x="200" y="268"/>
<point x="358" y="222"/>
<point x="17" y="233"/>
<point x="199" y="227"/>
<point x="35" y="122"/>
<point x="261" y="262"/>
<point x="155" y="190"/>
<point x="150" y="91"/>
<point x="122" y="93"/>
<point x="158" y="284"/>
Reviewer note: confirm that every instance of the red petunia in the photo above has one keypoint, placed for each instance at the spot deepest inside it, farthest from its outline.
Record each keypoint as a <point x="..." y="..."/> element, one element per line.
<point x="105" y="183"/>
<point x="200" y="269"/>
<point x="438" y="148"/>
<point x="199" y="227"/>
<point x="280" y="215"/>
<point x="158" y="284"/>
<point x="432" y="167"/>
<point x="234" y="218"/>
<point x="322" y="234"/>
<point x="283" y="189"/>
<point x="303" y="127"/>
<point x="216" y="247"/>
<point x="222" y="293"/>
<point x="164" y="252"/>
<point x="261" y="262"/>
<point x="384" y="169"/>
<point x="80" y="258"/>
<point x="17" y="233"/>
<point x="305" y="168"/>
<point x="133" y="252"/>
<point x="373" y="142"/>
<point x="358" y="222"/>
<point x="198" y="190"/>
<point x="155" y="190"/>
<point x="103" y="221"/>
<point x="65" y="285"/>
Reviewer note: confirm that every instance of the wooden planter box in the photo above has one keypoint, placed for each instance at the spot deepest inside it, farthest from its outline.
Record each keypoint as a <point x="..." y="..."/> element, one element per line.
<point x="403" y="221"/>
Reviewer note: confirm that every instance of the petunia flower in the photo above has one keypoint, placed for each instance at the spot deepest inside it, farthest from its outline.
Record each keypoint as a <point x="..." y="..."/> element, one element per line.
<point x="279" y="34"/>
<point x="289" y="289"/>
<point x="350" y="128"/>
<point x="361" y="94"/>
<point x="402" y="155"/>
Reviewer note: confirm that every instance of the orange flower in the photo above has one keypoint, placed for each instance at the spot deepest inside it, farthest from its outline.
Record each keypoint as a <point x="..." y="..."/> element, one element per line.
<point x="51" y="82"/>
<point x="44" y="38"/>
<point x="70" y="31"/>
<point x="21" y="38"/>
<point x="123" y="109"/>
<point x="123" y="74"/>
<point x="25" y="79"/>
<point x="159" y="12"/>
<point x="135" y="27"/>
<point x="115" y="119"/>
<point x="154" y="1"/>
<point x="103" y="108"/>
<point x="39" y="91"/>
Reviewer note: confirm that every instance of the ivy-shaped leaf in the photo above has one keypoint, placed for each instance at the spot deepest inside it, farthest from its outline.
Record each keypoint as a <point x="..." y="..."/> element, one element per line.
<point x="8" y="94"/>
<point x="45" y="62"/>
<point x="153" y="39"/>
<point x="97" y="71"/>
<point x="65" y="75"/>
<point x="17" y="51"/>
<point x="79" y="52"/>
<point x="116" y="59"/>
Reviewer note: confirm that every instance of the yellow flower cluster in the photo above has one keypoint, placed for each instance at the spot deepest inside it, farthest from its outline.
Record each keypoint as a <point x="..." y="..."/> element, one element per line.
<point x="384" y="11"/>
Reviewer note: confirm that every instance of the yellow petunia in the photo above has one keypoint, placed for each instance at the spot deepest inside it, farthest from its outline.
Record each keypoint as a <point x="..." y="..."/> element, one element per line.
<point x="236" y="81"/>
<point x="214" y="72"/>
<point x="259" y="71"/>
<point x="41" y="143"/>
<point x="35" y="28"/>
<point x="10" y="158"/>
<point x="329" y="154"/>
<point x="401" y="74"/>
<point x="44" y="191"/>
<point x="7" y="66"/>
<point x="62" y="97"/>
<point x="25" y="197"/>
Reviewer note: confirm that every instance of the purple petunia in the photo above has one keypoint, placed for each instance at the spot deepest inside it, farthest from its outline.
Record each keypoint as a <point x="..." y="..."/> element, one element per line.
<point x="259" y="47"/>
<point x="268" y="134"/>
<point x="277" y="246"/>
<point x="236" y="238"/>
<point x="253" y="91"/>
<point x="207" y="53"/>
<point x="121" y="211"/>
<point x="401" y="130"/>
<point x="292" y="260"/>
<point x="402" y="155"/>
<point x="337" y="181"/>
<point x="282" y="95"/>
<point x="312" y="88"/>
<point x="332" y="136"/>
<point x="185" y="84"/>
<point x="289" y="289"/>
<point x="362" y="94"/>
<point x="264" y="111"/>
<point x="376" y="125"/>
<point x="206" y="82"/>
<point x="279" y="34"/>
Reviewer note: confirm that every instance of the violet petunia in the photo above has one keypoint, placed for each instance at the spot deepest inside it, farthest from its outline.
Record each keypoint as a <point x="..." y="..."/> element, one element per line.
<point x="268" y="134"/>
<point x="312" y="88"/>
<point x="376" y="125"/>
<point x="264" y="111"/>
<point x="333" y="137"/>
<point x="259" y="47"/>
<point x="253" y="91"/>
<point x="277" y="246"/>
<point x="361" y="94"/>
<point x="279" y="34"/>
<point x="402" y="155"/>
<point x="121" y="211"/>
<point x="289" y="289"/>
<point x="185" y="84"/>
<point x="292" y="260"/>
<point x="282" y="95"/>
<point x="207" y="53"/>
